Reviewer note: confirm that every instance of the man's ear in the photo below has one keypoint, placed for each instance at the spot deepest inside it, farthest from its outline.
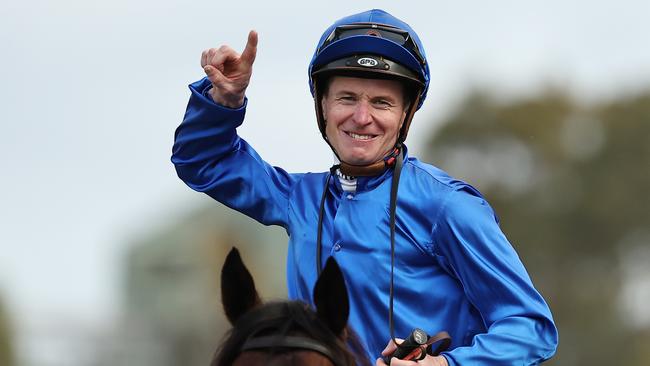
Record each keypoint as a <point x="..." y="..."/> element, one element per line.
<point x="331" y="298"/>
<point x="238" y="293"/>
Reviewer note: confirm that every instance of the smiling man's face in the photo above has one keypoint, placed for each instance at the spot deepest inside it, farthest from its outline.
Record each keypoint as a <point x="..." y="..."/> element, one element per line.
<point x="363" y="117"/>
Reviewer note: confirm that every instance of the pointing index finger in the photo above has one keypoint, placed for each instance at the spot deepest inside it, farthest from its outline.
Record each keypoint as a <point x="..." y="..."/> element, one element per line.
<point x="251" y="48"/>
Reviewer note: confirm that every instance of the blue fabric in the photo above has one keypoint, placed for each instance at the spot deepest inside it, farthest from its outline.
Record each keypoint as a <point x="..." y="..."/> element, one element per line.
<point x="454" y="268"/>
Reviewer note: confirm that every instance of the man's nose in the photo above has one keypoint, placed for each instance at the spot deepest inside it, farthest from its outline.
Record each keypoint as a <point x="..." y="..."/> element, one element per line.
<point x="362" y="113"/>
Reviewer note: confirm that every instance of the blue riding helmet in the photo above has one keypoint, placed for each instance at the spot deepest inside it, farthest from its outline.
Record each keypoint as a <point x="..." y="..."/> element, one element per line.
<point x="372" y="44"/>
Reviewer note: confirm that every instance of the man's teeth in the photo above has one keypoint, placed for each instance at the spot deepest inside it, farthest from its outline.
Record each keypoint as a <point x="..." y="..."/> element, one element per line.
<point x="359" y="137"/>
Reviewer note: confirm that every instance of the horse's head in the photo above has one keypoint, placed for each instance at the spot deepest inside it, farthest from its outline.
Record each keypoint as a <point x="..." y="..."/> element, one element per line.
<point x="285" y="333"/>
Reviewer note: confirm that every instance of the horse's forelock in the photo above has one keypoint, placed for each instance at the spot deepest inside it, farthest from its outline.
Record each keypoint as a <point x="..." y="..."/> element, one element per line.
<point x="282" y="318"/>
<point x="293" y="358"/>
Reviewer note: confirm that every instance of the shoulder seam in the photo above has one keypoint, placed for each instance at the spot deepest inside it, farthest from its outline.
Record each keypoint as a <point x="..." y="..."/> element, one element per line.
<point x="430" y="175"/>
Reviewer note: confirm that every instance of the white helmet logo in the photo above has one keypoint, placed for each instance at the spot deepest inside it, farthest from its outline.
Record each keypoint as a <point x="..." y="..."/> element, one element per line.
<point x="367" y="62"/>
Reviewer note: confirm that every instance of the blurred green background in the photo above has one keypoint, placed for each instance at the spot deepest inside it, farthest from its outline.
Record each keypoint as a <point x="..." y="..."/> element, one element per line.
<point x="570" y="184"/>
<point x="106" y="258"/>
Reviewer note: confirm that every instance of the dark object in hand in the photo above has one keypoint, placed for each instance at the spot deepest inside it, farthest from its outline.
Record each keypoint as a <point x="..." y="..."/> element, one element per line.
<point x="410" y="347"/>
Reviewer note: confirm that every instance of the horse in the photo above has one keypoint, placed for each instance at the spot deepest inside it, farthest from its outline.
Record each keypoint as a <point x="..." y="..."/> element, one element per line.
<point x="284" y="333"/>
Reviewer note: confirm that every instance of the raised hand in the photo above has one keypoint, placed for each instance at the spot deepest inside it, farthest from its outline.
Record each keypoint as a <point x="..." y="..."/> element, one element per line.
<point x="229" y="72"/>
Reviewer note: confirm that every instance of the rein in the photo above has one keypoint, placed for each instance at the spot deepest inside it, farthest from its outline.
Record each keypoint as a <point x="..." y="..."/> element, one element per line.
<point x="399" y="159"/>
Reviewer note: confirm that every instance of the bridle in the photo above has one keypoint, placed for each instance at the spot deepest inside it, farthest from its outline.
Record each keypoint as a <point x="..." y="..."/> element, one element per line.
<point x="397" y="170"/>
<point x="261" y="340"/>
<point x="442" y="340"/>
<point x="289" y="343"/>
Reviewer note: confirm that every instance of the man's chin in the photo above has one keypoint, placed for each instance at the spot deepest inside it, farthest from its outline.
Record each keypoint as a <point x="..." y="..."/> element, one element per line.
<point x="358" y="161"/>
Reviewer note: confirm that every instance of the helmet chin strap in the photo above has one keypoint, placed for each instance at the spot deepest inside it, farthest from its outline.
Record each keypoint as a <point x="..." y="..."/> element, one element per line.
<point x="363" y="171"/>
<point x="373" y="169"/>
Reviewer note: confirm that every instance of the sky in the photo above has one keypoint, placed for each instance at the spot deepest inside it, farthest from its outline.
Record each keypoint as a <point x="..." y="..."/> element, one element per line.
<point x="91" y="92"/>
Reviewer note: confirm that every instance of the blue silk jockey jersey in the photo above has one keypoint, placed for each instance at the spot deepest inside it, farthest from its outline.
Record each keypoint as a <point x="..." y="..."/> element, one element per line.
<point x="454" y="268"/>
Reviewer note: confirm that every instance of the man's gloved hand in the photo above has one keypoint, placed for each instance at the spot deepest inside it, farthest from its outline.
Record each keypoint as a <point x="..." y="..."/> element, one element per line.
<point x="427" y="361"/>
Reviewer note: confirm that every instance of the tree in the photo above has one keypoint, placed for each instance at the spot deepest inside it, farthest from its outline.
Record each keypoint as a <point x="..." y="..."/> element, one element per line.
<point x="570" y="184"/>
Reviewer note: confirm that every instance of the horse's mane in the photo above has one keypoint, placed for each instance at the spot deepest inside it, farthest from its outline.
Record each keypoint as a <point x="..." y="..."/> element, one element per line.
<point x="288" y="318"/>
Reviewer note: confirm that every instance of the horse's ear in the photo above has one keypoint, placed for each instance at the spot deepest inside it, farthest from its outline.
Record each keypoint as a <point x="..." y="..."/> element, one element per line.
<point x="238" y="292"/>
<point x="331" y="297"/>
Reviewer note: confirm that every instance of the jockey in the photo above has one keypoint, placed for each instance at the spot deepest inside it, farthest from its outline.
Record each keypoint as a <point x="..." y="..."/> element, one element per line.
<point x="417" y="248"/>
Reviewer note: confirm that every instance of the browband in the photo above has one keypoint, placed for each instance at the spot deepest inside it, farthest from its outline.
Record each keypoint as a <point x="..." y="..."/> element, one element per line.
<point x="289" y="342"/>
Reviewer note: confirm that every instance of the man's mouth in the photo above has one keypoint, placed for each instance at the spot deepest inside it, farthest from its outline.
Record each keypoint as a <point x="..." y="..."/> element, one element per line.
<point x="358" y="136"/>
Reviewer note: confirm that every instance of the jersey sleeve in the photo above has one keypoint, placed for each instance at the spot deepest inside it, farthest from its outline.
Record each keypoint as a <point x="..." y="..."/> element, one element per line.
<point x="520" y="327"/>
<point x="210" y="157"/>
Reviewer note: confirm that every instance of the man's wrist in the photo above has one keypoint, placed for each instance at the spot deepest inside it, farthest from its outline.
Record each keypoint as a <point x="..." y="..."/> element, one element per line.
<point x="233" y="102"/>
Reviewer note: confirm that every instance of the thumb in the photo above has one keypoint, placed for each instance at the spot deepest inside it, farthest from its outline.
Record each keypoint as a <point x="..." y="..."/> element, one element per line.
<point x="213" y="74"/>
<point x="391" y="347"/>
